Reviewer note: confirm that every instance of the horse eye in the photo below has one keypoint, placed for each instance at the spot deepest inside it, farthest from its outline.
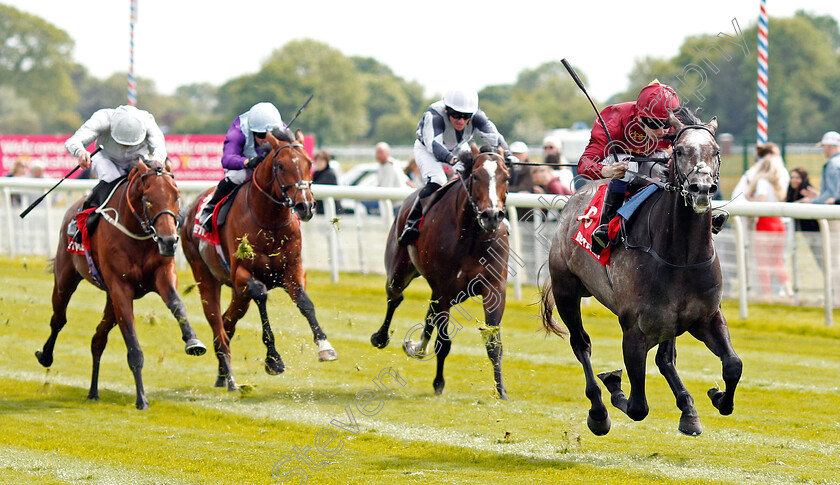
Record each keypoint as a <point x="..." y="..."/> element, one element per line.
<point x="678" y="151"/>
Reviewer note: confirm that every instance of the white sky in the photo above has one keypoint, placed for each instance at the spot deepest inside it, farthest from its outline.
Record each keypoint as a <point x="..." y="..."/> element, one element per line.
<point x="436" y="43"/>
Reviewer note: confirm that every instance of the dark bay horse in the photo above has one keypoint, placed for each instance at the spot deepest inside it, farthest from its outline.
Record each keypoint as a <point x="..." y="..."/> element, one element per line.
<point x="261" y="243"/>
<point x="664" y="280"/>
<point x="133" y="254"/>
<point x="462" y="252"/>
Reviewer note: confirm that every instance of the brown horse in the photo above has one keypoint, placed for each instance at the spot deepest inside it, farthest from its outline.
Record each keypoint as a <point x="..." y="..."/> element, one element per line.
<point x="261" y="243"/>
<point x="663" y="281"/>
<point x="462" y="252"/>
<point x="133" y="255"/>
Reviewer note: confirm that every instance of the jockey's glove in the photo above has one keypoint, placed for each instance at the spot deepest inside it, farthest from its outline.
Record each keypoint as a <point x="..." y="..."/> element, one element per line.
<point x="458" y="166"/>
<point x="253" y="161"/>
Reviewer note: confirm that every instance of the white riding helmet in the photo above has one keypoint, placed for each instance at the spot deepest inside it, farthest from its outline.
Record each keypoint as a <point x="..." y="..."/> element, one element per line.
<point x="461" y="100"/>
<point x="127" y="126"/>
<point x="263" y="117"/>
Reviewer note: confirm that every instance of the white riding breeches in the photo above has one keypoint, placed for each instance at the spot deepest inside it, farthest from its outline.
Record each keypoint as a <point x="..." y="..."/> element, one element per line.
<point x="430" y="167"/>
<point x="239" y="176"/>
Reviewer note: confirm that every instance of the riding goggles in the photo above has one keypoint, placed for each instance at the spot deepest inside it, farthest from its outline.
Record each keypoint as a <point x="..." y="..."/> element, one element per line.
<point x="654" y="123"/>
<point x="458" y="115"/>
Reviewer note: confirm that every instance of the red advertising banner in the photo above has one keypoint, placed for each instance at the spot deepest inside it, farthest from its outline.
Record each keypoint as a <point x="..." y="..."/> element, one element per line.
<point x="193" y="157"/>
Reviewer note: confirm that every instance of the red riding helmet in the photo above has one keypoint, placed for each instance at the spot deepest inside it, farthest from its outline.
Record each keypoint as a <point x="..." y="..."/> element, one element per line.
<point x="656" y="100"/>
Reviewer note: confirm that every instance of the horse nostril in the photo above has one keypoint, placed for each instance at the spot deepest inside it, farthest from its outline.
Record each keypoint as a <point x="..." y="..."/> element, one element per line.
<point x="500" y="216"/>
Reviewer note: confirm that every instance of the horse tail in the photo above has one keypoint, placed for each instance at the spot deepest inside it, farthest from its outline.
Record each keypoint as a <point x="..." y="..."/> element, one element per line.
<point x="547" y="305"/>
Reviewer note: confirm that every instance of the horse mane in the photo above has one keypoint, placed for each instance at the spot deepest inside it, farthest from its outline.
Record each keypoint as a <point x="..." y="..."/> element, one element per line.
<point x="686" y="117"/>
<point x="283" y="134"/>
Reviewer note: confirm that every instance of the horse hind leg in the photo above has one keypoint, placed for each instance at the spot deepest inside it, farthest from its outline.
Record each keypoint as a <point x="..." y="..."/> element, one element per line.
<point x="715" y="334"/>
<point x="97" y="346"/>
<point x="666" y="360"/>
<point x="568" y="307"/>
<point x="66" y="280"/>
<point x="494" y="307"/>
<point x="259" y="293"/>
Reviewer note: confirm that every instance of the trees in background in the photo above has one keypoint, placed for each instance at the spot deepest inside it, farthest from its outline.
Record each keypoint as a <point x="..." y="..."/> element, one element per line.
<point x="360" y="100"/>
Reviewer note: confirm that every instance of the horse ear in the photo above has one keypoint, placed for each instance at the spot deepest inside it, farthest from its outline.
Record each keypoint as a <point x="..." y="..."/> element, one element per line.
<point x="167" y="165"/>
<point x="298" y="136"/>
<point x="675" y="122"/>
<point x="474" y="149"/>
<point x="712" y="125"/>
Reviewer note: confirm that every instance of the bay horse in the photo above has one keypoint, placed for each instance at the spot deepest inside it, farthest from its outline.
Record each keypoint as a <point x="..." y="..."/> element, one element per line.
<point x="462" y="252"/>
<point x="131" y="256"/>
<point x="261" y="249"/>
<point x="664" y="280"/>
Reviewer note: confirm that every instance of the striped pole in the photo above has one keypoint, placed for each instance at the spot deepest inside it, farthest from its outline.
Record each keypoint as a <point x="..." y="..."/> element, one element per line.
<point x="762" y="74"/>
<point x="132" y="83"/>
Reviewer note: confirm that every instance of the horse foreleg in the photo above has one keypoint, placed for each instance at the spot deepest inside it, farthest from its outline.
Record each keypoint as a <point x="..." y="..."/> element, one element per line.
<point x="122" y="298"/>
<point x="66" y="280"/>
<point x="166" y="282"/>
<point x="258" y="292"/>
<point x="401" y="272"/>
<point x="494" y="308"/>
<point x="715" y="334"/>
<point x="97" y="346"/>
<point x="442" y="345"/>
<point x="294" y="287"/>
<point x="568" y="307"/>
<point x="666" y="360"/>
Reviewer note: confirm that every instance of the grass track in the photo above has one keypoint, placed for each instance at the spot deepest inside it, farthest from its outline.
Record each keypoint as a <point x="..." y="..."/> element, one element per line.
<point x="785" y="428"/>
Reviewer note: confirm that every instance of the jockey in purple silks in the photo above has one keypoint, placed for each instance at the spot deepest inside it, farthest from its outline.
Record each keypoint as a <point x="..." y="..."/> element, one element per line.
<point x="244" y="148"/>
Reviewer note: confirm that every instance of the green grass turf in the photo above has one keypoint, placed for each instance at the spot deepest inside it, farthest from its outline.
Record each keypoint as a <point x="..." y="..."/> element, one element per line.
<point x="785" y="428"/>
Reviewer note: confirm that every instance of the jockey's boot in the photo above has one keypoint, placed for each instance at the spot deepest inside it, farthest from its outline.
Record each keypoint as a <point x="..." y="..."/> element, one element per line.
<point x="600" y="236"/>
<point x="97" y="197"/>
<point x="411" y="230"/>
<point x="718" y="221"/>
<point x="224" y="188"/>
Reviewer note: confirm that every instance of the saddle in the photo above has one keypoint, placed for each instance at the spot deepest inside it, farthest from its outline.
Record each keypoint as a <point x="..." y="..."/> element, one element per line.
<point x="439" y="193"/>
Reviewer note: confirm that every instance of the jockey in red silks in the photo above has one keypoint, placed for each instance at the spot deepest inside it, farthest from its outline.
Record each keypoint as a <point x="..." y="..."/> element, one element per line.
<point x="637" y="129"/>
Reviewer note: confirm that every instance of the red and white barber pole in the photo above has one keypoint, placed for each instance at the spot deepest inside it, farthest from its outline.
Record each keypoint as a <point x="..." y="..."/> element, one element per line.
<point x="762" y="74"/>
<point x="132" y="83"/>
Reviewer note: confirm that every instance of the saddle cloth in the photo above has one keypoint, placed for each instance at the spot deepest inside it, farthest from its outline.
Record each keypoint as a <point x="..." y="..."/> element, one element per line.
<point x="198" y="230"/>
<point x="591" y="217"/>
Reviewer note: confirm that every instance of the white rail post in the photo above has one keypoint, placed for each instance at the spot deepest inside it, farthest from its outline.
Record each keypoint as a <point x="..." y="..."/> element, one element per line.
<point x="516" y="238"/>
<point x="360" y="234"/>
<point x="7" y="203"/>
<point x="332" y="240"/>
<point x="825" y="232"/>
<point x="741" y="265"/>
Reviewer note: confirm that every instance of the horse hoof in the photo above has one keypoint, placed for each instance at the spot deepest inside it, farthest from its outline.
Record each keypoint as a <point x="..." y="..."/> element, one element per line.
<point x="438" y="385"/>
<point x="612" y="380"/>
<point x="221" y="381"/>
<point x="231" y="385"/>
<point x="42" y="359"/>
<point x="598" y="427"/>
<point x="93" y="396"/>
<point x="142" y="405"/>
<point x="717" y="396"/>
<point x="327" y="355"/>
<point x="195" y="347"/>
<point x="690" y="425"/>
<point x="412" y="351"/>
<point x="274" y="366"/>
<point x="379" y="340"/>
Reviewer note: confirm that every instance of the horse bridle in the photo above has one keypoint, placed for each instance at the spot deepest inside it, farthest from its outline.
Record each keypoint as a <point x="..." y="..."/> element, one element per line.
<point x="275" y="176"/>
<point x="682" y="179"/>
<point x="147" y="223"/>
<point x="467" y="188"/>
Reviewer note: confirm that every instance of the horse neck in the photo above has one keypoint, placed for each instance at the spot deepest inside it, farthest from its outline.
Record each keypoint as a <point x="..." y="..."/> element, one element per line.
<point x="129" y="195"/>
<point x="682" y="234"/>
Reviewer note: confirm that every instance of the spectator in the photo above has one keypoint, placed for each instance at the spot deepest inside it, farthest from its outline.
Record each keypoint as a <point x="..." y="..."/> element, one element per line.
<point x="743" y="183"/>
<point x="520" y="175"/>
<point x="766" y="186"/>
<point x="553" y="145"/>
<point x="798" y="187"/>
<point x="545" y="182"/>
<point x="415" y="178"/>
<point x="389" y="174"/>
<point x="323" y="174"/>
<point x="36" y="169"/>
<point x="18" y="170"/>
